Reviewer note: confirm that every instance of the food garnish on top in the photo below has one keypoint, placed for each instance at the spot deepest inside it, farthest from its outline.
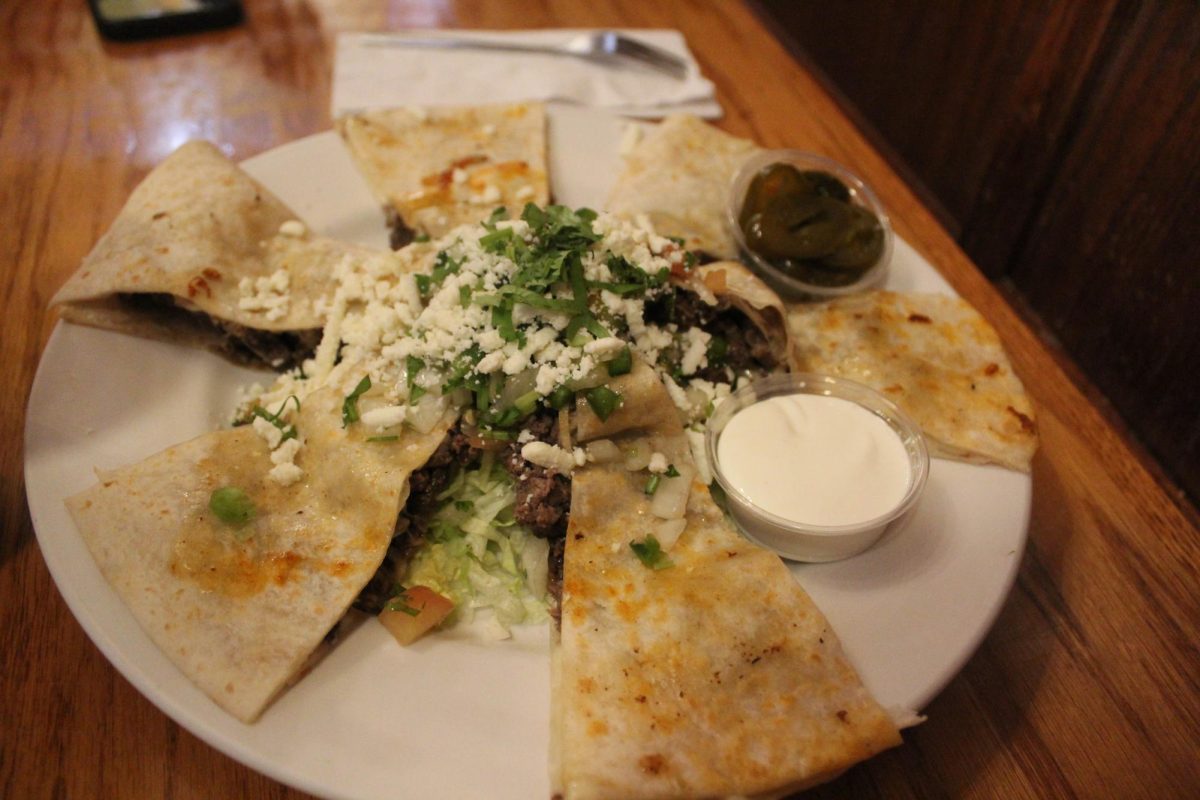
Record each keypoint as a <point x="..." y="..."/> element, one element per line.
<point x="419" y="463"/>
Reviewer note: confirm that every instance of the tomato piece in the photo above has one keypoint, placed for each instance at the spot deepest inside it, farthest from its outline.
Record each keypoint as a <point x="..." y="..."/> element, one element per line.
<point x="414" y="612"/>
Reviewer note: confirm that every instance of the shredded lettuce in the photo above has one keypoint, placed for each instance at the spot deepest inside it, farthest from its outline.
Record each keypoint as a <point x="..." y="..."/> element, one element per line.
<point x="479" y="556"/>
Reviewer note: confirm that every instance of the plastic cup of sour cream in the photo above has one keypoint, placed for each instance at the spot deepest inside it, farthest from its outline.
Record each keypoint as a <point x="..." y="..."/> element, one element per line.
<point x="814" y="467"/>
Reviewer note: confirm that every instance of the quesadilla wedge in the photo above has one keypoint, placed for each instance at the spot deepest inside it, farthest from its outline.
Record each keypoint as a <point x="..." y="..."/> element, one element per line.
<point x="696" y="667"/>
<point x="434" y="169"/>
<point x="678" y="176"/>
<point x="732" y="285"/>
<point x="935" y="357"/>
<point x="203" y="255"/>
<point x="236" y="577"/>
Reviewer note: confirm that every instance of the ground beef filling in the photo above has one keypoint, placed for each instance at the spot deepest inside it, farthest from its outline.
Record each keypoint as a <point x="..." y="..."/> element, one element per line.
<point x="276" y="350"/>
<point x="746" y="347"/>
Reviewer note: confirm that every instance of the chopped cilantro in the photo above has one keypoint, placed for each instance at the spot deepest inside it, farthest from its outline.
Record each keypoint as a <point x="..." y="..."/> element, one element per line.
<point x="412" y="368"/>
<point x="505" y="242"/>
<point x="289" y="431"/>
<point x="350" y="404"/>
<point x="502" y="321"/>
<point x="621" y="363"/>
<point x="503" y="419"/>
<point x="559" y="398"/>
<point x="627" y="274"/>
<point x="399" y="602"/>
<point x="443" y="265"/>
<point x="718" y="346"/>
<point x="650" y="553"/>
<point x="671" y="471"/>
<point x="527" y="402"/>
<point x="603" y="401"/>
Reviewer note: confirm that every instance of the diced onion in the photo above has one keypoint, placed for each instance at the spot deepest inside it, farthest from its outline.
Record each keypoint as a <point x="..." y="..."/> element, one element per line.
<point x="668" y="532"/>
<point x="670" y="500"/>
<point x="425" y="414"/>
<point x="516" y="386"/>
<point x="698" y="401"/>
<point x="637" y="455"/>
<point x="595" y="377"/>
<point x="603" y="451"/>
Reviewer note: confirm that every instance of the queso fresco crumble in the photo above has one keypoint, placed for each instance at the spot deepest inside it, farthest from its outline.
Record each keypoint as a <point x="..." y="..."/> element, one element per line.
<point x="500" y="318"/>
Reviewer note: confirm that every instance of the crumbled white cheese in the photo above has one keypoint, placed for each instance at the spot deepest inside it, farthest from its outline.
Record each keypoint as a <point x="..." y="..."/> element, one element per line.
<point x="549" y="456"/>
<point x="695" y="354"/>
<point x="378" y="325"/>
<point x="271" y="434"/>
<point x="384" y="417"/>
<point x="491" y="362"/>
<point x="604" y="348"/>
<point x="285" y="472"/>
<point x="678" y="395"/>
<point x="267" y="294"/>
<point x="658" y="463"/>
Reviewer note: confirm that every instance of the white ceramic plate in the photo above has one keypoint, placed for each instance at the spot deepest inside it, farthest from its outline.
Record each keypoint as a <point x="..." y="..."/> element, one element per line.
<point x="449" y="717"/>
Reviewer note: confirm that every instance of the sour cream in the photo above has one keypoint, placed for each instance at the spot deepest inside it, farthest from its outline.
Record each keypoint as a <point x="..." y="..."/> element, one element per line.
<point x="815" y="460"/>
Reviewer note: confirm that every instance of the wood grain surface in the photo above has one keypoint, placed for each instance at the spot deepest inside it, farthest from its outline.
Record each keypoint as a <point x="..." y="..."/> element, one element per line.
<point x="1089" y="684"/>
<point x="1058" y="140"/>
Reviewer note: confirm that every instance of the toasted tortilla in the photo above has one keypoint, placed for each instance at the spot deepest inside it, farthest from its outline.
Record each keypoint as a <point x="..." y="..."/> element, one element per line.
<point x="240" y="610"/>
<point x="437" y="168"/>
<point x="936" y="358"/>
<point x="171" y="265"/>
<point x="716" y="676"/>
<point x="679" y="175"/>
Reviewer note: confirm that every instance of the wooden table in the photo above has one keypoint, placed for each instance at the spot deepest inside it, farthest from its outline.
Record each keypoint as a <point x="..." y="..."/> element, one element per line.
<point x="1089" y="684"/>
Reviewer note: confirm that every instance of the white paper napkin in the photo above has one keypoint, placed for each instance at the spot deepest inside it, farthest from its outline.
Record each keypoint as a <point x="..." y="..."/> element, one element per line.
<point x="367" y="75"/>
